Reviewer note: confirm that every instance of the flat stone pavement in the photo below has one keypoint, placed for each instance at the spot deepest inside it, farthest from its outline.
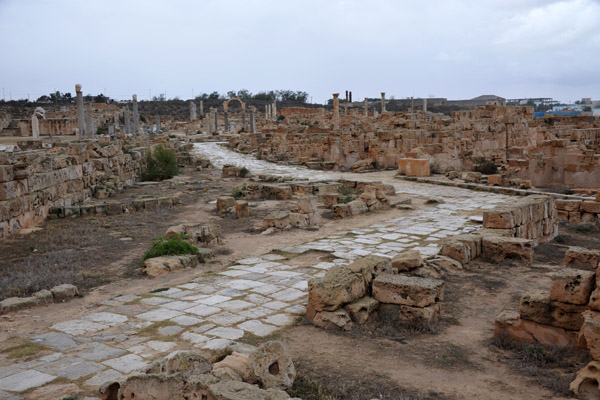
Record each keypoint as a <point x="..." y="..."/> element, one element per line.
<point x="256" y="296"/>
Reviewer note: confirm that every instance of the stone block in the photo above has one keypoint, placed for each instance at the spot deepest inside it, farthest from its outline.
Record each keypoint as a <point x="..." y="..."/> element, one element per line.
<point x="6" y="173"/>
<point x="307" y="204"/>
<point x="369" y="267"/>
<point x="586" y="384"/>
<point x="241" y="209"/>
<point x="225" y="204"/>
<point x="339" y="286"/>
<point x="64" y="292"/>
<point x="163" y="265"/>
<point x="430" y="314"/>
<point x="331" y="320"/>
<point x="357" y="207"/>
<point x="537" y="306"/>
<point x="591" y="207"/>
<point x="495" y="180"/>
<point x="407" y="261"/>
<point x="17" y="303"/>
<point x="407" y="290"/>
<point x="499" y="248"/>
<point x="509" y="324"/>
<point x="341" y="211"/>
<point x="572" y="286"/>
<point x="273" y="366"/>
<point x="590" y="333"/>
<point x="413" y="167"/>
<point x="363" y="308"/>
<point x="567" y="205"/>
<point x="582" y="258"/>
<point x="498" y="219"/>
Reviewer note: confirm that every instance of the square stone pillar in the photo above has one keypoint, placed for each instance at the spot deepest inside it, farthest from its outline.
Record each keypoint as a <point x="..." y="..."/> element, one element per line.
<point x="136" y="116"/>
<point x="336" y="111"/>
<point x="80" y="113"/>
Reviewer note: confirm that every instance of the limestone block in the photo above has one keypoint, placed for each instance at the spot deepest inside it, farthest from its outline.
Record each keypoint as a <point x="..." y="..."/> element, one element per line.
<point x="234" y="390"/>
<point x="241" y="209"/>
<point x="230" y="171"/>
<point x="495" y="180"/>
<point x="360" y="310"/>
<point x="572" y="286"/>
<point x="307" y="204"/>
<point x="591" y="207"/>
<point x="64" y="292"/>
<point x="174" y="231"/>
<point x="240" y="363"/>
<point x="537" y="306"/>
<point x="339" y="286"/>
<point x="590" y="333"/>
<point x="499" y="248"/>
<point x="595" y="298"/>
<point x="6" y="173"/>
<point x="582" y="258"/>
<point x="341" y="211"/>
<point x="277" y="219"/>
<point x="430" y="314"/>
<point x="471" y="176"/>
<point x="586" y="384"/>
<point x="407" y="261"/>
<point x="330" y="320"/>
<point x="17" y="303"/>
<point x="498" y="219"/>
<point x="358" y="207"/>
<point x="225" y="204"/>
<point x="298" y="220"/>
<point x="273" y="366"/>
<point x="568" y="205"/>
<point x="163" y="265"/>
<point x="44" y="296"/>
<point x="180" y="361"/>
<point x="413" y="167"/>
<point x="369" y="267"/>
<point x="407" y="290"/>
<point x="509" y="324"/>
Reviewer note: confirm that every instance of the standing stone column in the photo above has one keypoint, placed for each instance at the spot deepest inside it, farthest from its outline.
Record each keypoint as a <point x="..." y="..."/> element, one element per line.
<point x="127" y="119"/>
<point x="336" y="112"/>
<point x="424" y="105"/>
<point x="89" y="126"/>
<point x="226" y="120"/>
<point x="157" y="119"/>
<point x="201" y="108"/>
<point x="244" y="120"/>
<point x="35" y="127"/>
<point x="193" y="115"/>
<point x="80" y="114"/>
<point x="253" y="119"/>
<point x="382" y="102"/>
<point x="136" y="116"/>
<point x="266" y="112"/>
<point x="274" y="111"/>
<point x="366" y="108"/>
<point x="216" y="117"/>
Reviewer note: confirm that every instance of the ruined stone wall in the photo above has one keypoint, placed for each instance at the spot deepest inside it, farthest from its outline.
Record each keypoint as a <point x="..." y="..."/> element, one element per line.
<point x="561" y="151"/>
<point x="34" y="181"/>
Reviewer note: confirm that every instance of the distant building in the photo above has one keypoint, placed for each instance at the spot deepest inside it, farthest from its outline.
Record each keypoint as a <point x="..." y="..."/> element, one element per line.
<point x="478" y="101"/>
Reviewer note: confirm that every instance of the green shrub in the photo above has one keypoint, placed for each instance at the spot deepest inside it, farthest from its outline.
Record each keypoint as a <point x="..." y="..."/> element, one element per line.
<point x="238" y="193"/>
<point x="160" y="164"/>
<point x="485" y="166"/>
<point x="244" y="171"/>
<point x="176" y="246"/>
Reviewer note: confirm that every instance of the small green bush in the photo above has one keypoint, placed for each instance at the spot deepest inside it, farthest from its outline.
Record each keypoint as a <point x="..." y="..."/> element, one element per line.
<point x="485" y="166"/>
<point x="176" y="246"/>
<point x="244" y="171"/>
<point x="238" y="193"/>
<point x="160" y="164"/>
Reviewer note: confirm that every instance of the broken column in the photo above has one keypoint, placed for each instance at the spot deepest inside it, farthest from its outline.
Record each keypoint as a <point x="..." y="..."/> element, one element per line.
<point x="201" y="108"/>
<point x="89" y="123"/>
<point x="80" y="114"/>
<point x="253" y="122"/>
<point x="424" y="105"/>
<point x="157" y="119"/>
<point x="216" y="119"/>
<point x="136" y="116"/>
<point x="382" y="102"/>
<point x="366" y="108"/>
<point x="193" y="115"/>
<point x="127" y="118"/>
<point x="274" y="110"/>
<point x="336" y="112"/>
<point x="226" y="120"/>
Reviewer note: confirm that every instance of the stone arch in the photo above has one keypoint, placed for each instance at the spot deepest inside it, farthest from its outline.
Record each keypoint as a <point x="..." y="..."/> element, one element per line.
<point x="226" y="103"/>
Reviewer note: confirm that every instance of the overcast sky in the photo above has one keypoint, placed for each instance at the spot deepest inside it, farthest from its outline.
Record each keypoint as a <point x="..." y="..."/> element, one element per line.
<point x="443" y="48"/>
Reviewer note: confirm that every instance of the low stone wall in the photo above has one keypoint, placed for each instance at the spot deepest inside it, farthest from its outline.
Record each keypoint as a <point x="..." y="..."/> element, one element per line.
<point x="578" y="211"/>
<point x="531" y="217"/>
<point x="34" y="181"/>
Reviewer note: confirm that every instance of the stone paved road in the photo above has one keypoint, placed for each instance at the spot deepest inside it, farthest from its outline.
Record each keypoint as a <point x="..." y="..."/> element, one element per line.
<point x="255" y="296"/>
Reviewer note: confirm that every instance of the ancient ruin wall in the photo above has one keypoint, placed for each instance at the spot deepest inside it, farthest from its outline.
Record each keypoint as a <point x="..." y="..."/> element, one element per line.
<point x="34" y="181"/>
<point x="560" y="151"/>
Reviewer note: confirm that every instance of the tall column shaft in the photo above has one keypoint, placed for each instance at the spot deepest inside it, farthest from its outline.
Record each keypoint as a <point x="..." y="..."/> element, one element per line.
<point x="80" y="113"/>
<point x="136" y="116"/>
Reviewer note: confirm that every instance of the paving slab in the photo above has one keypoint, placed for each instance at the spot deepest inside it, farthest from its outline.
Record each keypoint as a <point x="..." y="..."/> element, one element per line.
<point x="59" y="341"/>
<point x="126" y="364"/>
<point x="95" y="351"/>
<point x="101" y="378"/>
<point x="78" y="327"/>
<point x="25" y="380"/>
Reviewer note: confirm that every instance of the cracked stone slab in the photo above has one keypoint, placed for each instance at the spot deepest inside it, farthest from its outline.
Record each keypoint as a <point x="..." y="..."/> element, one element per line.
<point x="161" y="314"/>
<point x="235" y="305"/>
<point x="78" y="327"/>
<point x="279" y="319"/>
<point x="217" y="344"/>
<point x="25" y="380"/>
<point x="71" y="368"/>
<point x="169" y="330"/>
<point x="110" y="375"/>
<point x="106" y="318"/>
<point x="126" y="364"/>
<point x="258" y="328"/>
<point x="97" y="351"/>
<point x="202" y="310"/>
<point x="186" y="320"/>
<point x="194" y="338"/>
<point x="226" y="333"/>
<point x="160" y="346"/>
<point x="288" y="295"/>
<point x="225" y="318"/>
